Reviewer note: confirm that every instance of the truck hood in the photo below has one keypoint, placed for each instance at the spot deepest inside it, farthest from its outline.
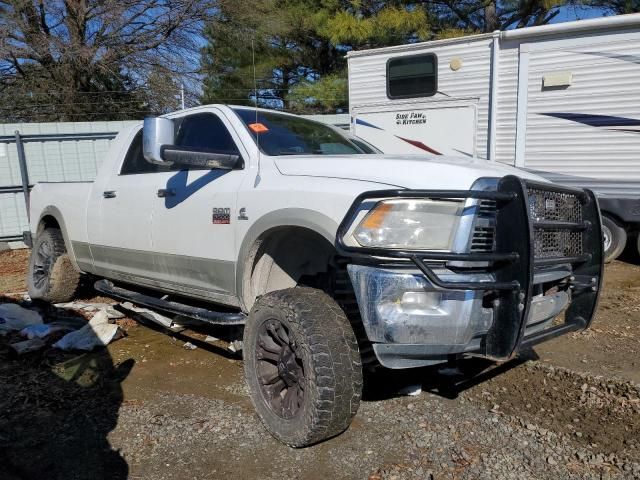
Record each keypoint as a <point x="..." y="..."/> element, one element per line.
<point x="404" y="171"/>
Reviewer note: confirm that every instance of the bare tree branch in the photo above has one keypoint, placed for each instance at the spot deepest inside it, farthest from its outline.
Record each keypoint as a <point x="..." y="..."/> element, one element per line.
<point x="68" y="48"/>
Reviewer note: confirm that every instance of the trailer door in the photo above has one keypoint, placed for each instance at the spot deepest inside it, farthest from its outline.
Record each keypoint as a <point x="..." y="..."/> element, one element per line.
<point x="439" y="127"/>
<point x="579" y="111"/>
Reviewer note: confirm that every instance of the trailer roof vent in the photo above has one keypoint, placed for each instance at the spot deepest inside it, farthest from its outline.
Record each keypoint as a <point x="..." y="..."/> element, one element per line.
<point x="412" y="76"/>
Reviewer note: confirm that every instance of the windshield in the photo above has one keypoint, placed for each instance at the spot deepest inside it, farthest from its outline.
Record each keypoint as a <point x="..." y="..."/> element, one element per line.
<point x="278" y="134"/>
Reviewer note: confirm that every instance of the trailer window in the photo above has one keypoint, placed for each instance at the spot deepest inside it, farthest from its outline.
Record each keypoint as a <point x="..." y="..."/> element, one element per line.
<point x="413" y="76"/>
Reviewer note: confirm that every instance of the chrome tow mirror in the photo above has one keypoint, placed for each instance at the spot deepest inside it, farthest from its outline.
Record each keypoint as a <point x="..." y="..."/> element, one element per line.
<point x="157" y="132"/>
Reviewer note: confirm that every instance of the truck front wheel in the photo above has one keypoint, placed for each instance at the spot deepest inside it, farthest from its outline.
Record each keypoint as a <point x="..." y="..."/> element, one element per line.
<point x="614" y="238"/>
<point x="51" y="276"/>
<point x="302" y="365"/>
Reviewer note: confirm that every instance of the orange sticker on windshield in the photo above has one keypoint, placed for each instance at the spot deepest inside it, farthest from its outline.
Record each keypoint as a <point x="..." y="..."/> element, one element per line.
<point x="258" y="127"/>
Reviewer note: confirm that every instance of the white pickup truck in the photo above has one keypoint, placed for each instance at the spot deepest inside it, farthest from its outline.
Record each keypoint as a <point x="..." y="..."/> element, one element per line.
<point x="334" y="257"/>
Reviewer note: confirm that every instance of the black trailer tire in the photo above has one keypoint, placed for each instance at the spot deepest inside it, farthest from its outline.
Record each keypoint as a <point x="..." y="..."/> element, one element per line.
<point x="51" y="277"/>
<point x="614" y="238"/>
<point x="302" y="365"/>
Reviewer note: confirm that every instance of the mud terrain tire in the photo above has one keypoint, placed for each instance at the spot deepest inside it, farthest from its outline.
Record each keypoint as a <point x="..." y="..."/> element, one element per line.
<point x="51" y="277"/>
<point x="302" y="365"/>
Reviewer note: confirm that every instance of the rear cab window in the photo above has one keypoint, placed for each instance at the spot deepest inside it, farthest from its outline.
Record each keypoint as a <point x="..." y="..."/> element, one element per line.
<point x="412" y="76"/>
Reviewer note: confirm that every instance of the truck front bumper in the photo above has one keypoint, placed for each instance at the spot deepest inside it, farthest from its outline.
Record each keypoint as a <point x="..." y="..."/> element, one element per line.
<point x="412" y="323"/>
<point x="420" y="308"/>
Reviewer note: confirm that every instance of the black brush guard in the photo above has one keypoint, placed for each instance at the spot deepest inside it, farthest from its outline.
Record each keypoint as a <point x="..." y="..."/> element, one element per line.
<point x="512" y="262"/>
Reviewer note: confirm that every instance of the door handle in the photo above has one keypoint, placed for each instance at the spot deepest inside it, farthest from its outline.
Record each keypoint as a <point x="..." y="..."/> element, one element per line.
<point x="166" y="192"/>
<point x="109" y="194"/>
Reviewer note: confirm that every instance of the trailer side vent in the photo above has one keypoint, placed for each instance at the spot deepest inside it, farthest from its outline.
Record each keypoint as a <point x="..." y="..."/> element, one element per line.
<point x="557" y="79"/>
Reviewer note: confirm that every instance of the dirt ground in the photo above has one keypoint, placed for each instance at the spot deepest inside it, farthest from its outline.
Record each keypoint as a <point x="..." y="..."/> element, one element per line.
<point x="146" y="407"/>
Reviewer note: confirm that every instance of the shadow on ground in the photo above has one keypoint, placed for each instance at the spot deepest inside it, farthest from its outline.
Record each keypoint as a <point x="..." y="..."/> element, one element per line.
<point x="446" y="380"/>
<point x="631" y="254"/>
<point x="56" y="410"/>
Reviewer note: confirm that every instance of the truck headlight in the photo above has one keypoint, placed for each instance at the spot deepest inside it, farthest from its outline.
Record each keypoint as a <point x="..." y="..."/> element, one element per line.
<point x="420" y="224"/>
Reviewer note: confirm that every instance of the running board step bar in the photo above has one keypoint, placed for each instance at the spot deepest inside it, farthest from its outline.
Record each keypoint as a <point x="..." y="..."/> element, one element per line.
<point x="195" y="313"/>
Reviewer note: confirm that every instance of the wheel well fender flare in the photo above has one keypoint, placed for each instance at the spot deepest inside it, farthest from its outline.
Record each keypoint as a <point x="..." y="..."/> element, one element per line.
<point x="56" y="214"/>
<point x="311" y="220"/>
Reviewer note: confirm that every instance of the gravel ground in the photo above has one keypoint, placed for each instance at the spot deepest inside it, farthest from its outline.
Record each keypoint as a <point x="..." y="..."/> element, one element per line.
<point x="412" y="437"/>
<point x="147" y="408"/>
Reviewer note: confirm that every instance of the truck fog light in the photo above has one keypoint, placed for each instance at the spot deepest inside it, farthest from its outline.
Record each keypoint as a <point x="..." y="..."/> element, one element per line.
<point x="420" y="301"/>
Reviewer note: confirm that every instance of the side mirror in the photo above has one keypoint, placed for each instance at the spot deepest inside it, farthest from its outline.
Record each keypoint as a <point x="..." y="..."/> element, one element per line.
<point x="157" y="145"/>
<point x="156" y="132"/>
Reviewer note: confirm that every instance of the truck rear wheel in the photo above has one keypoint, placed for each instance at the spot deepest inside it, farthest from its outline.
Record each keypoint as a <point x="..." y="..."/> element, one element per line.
<point x="302" y="365"/>
<point x="51" y="276"/>
<point x="614" y="238"/>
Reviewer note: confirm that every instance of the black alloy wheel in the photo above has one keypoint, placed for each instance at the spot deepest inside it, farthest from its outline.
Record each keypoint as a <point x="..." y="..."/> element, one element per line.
<point x="52" y="276"/>
<point x="42" y="263"/>
<point x="280" y="369"/>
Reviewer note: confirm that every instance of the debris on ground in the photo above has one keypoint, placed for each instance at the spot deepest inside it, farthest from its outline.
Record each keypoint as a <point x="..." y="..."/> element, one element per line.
<point x="15" y="317"/>
<point x="235" y="346"/>
<point x="38" y="323"/>
<point x="189" y="346"/>
<point x="126" y="323"/>
<point x="43" y="330"/>
<point x="155" y="317"/>
<point x="112" y="313"/>
<point x="98" y="332"/>
<point x="26" y="346"/>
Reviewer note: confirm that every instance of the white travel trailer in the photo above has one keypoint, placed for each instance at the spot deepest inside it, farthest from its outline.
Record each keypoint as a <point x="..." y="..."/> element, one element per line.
<point x="561" y="100"/>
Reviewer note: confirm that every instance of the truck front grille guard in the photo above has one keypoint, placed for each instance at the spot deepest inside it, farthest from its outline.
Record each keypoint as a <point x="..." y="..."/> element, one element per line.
<point x="537" y="225"/>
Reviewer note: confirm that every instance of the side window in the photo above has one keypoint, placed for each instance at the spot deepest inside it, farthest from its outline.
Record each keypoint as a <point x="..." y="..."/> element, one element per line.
<point x="205" y="132"/>
<point x="412" y="76"/>
<point x="134" y="162"/>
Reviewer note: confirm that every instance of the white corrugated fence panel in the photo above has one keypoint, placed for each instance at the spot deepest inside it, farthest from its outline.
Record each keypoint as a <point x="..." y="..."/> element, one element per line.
<point x="48" y="161"/>
<point x="13" y="214"/>
<point x="59" y="161"/>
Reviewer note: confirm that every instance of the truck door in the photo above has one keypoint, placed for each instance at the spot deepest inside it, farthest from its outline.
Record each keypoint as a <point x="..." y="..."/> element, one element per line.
<point x="194" y="213"/>
<point x="119" y="215"/>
